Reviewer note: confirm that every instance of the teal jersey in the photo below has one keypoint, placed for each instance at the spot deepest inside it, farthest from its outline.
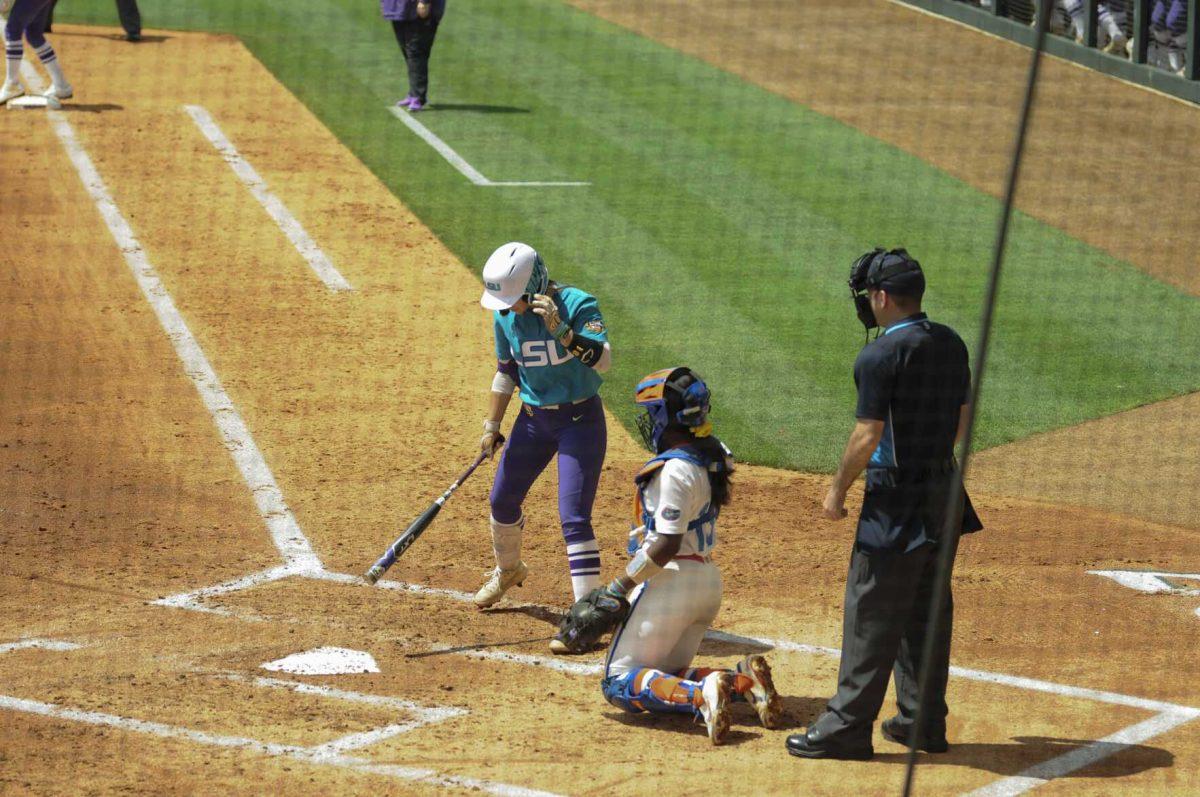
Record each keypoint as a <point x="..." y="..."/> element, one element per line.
<point x="547" y="373"/>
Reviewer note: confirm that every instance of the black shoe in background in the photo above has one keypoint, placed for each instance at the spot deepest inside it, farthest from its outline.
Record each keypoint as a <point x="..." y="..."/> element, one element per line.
<point x="893" y="731"/>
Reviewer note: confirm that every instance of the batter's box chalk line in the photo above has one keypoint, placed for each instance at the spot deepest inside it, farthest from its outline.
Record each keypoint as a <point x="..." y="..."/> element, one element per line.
<point x="329" y="754"/>
<point x="460" y="163"/>
<point x="1167" y="716"/>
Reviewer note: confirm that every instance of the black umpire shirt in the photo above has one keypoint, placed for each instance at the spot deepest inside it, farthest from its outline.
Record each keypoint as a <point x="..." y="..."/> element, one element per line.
<point x="914" y="377"/>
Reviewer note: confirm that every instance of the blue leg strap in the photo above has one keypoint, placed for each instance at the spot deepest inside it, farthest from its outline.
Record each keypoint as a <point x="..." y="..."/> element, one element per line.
<point x="620" y="691"/>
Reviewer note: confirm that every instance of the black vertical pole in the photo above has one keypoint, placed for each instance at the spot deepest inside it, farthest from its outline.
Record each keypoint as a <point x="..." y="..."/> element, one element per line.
<point x="949" y="537"/>
<point x="1091" y="11"/>
<point x="1141" y="30"/>
<point x="1191" y="70"/>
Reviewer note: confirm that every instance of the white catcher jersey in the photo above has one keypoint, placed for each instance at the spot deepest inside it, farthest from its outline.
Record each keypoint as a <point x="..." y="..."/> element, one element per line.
<point x="672" y="611"/>
<point x="676" y="497"/>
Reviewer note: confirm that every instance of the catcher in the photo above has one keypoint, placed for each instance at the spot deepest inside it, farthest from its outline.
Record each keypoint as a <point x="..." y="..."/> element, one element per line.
<point x="670" y="592"/>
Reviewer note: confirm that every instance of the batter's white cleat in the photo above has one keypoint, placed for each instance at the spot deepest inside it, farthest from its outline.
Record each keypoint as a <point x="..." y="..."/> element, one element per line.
<point x="498" y="583"/>
<point x="10" y="91"/>
<point x="762" y="695"/>
<point x="715" y="690"/>
<point x="63" y="92"/>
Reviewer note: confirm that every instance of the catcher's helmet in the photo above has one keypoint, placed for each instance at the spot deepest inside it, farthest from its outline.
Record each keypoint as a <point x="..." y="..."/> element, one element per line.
<point x="514" y="271"/>
<point x="673" y="397"/>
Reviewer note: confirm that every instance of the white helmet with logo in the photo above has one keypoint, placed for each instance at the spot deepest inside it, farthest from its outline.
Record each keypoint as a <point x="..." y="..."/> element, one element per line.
<point x="512" y="272"/>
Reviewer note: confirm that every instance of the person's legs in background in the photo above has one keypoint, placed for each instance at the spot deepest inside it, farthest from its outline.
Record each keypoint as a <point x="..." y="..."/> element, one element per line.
<point x="35" y="34"/>
<point x="418" y="46"/>
<point x="131" y="19"/>
<point x="402" y="31"/>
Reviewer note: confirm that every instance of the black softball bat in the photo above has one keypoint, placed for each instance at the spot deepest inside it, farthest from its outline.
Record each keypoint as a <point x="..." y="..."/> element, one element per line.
<point x="418" y="526"/>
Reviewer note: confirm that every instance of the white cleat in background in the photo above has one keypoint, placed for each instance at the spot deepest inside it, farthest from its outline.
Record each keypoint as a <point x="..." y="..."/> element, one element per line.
<point x="10" y="91"/>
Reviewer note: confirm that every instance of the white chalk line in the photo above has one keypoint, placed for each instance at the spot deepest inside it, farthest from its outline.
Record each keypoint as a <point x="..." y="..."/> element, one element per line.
<point x="1003" y="679"/>
<point x="320" y="755"/>
<point x="44" y="644"/>
<point x="1085" y="755"/>
<point x="1150" y="581"/>
<point x="422" y="715"/>
<point x="192" y="600"/>
<point x="460" y="163"/>
<point x="291" y="227"/>
<point x="285" y="531"/>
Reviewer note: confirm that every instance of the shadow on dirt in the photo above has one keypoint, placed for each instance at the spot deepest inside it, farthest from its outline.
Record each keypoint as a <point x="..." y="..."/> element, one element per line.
<point x="798" y="712"/>
<point x="98" y="107"/>
<point x="480" y="646"/>
<point x="1027" y="751"/>
<point x="682" y="723"/>
<point x="472" y="108"/>
<point x="724" y="647"/>
<point x="146" y="38"/>
<point x="536" y="612"/>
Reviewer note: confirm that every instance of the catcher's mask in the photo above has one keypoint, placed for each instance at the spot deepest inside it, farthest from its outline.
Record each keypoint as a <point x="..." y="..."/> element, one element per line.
<point x="892" y="271"/>
<point x="672" y="398"/>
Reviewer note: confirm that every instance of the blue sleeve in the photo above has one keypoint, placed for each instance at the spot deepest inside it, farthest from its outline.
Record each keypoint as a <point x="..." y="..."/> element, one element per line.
<point x="876" y="379"/>
<point x="503" y="350"/>
<point x="583" y="313"/>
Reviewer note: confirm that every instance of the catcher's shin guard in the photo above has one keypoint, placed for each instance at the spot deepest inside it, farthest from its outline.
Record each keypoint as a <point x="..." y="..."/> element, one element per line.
<point x="652" y="690"/>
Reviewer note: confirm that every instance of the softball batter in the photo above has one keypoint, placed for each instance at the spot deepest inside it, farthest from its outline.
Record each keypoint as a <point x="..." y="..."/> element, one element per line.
<point x="552" y="345"/>
<point x="27" y="18"/>
<point x="673" y="587"/>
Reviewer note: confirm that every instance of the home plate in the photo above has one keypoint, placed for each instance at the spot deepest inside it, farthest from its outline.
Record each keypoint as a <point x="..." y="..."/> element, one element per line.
<point x="325" y="661"/>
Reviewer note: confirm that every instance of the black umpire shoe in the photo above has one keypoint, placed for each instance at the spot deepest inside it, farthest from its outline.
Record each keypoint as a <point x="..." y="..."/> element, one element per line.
<point x="814" y="744"/>
<point x="894" y="731"/>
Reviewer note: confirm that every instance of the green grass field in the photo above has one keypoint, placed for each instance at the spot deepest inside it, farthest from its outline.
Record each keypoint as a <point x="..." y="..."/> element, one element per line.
<point x="721" y="221"/>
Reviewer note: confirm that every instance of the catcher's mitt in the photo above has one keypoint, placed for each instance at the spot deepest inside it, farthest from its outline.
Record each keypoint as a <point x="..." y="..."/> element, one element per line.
<point x="590" y="618"/>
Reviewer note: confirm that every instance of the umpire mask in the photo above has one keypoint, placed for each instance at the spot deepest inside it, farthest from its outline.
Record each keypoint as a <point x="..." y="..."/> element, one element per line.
<point x="893" y="271"/>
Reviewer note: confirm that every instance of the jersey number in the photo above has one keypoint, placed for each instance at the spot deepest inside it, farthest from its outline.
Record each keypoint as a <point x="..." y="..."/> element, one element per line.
<point x="705" y="540"/>
<point x="536" y="353"/>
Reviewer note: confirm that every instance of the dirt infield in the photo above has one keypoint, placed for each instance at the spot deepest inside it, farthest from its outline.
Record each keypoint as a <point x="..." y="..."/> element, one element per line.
<point x="1102" y="163"/>
<point x="119" y="492"/>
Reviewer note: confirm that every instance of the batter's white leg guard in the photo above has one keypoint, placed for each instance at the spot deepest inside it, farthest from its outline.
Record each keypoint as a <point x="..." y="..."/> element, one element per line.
<point x="506" y="542"/>
<point x="510" y="570"/>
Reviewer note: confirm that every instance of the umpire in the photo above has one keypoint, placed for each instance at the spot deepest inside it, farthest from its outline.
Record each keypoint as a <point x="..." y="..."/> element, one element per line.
<point x="913" y="386"/>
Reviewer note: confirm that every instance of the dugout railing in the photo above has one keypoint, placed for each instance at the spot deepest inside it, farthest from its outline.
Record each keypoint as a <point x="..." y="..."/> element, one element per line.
<point x="1011" y="19"/>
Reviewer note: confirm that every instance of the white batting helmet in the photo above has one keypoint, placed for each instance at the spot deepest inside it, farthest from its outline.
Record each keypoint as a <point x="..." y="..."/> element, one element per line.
<point x="512" y="271"/>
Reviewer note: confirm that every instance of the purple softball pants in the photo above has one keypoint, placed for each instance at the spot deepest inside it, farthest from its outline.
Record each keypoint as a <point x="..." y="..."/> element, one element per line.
<point x="577" y="433"/>
<point x="28" y="18"/>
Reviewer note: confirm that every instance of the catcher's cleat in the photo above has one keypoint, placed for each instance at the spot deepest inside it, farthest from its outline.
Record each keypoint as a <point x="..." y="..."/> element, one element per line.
<point x="498" y="583"/>
<point x="762" y="695"/>
<point x="715" y="691"/>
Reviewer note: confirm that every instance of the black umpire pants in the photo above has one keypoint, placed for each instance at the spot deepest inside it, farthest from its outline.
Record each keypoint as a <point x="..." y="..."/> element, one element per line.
<point x="131" y="17"/>
<point x="415" y="37"/>
<point x="883" y="634"/>
<point x="127" y="10"/>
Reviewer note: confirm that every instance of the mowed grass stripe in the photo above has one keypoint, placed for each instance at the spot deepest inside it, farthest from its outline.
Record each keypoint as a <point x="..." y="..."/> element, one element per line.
<point x="721" y="220"/>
